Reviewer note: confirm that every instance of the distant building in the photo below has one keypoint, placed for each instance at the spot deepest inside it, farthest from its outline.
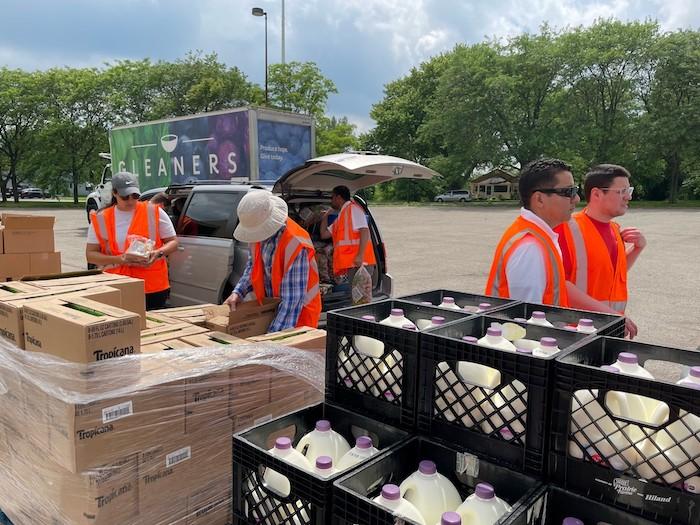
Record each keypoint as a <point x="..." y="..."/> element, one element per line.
<point x="496" y="184"/>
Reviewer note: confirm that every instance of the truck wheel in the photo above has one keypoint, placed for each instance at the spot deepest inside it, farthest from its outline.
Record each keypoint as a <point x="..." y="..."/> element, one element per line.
<point x="92" y="205"/>
<point x="439" y="200"/>
<point x="462" y="200"/>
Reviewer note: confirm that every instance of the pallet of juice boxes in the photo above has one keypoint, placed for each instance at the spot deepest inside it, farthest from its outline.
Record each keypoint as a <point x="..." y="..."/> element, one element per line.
<point x="27" y="246"/>
<point x="110" y="415"/>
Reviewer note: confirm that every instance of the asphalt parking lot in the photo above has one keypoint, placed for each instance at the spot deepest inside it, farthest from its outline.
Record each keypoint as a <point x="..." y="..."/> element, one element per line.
<point x="451" y="247"/>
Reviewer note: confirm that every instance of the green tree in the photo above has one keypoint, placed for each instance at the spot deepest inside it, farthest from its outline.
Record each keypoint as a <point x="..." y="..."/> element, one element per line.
<point x="21" y="104"/>
<point x="335" y="135"/>
<point x="299" y="87"/>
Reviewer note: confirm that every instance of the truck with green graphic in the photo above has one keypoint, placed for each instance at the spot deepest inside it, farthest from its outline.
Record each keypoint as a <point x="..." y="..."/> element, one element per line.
<point x="242" y="144"/>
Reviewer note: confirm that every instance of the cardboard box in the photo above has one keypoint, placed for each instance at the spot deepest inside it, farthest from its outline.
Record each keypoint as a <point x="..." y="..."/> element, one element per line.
<point x="154" y="320"/>
<point x="89" y="331"/>
<point x="250" y="388"/>
<point x="176" y="469"/>
<point x="174" y="344"/>
<point x="14" y="266"/>
<point x="168" y="333"/>
<point x="28" y="233"/>
<point x="268" y="412"/>
<point x="44" y="263"/>
<point x="211" y="504"/>
<point x="304" y="337"/>
<point x="10" y="288"/>
<point x="190" y="314"/>
<point x="132" y="289"/>
<point x="86" y="434"/>
<point x="102" y="294"/>
<point x="41" y="491"/>
<point x="249" y="318"/>
<point x="2" y="235"/>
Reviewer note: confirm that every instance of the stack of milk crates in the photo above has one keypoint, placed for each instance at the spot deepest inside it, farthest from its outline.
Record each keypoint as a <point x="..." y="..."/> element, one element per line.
<point x="481" y="409"/>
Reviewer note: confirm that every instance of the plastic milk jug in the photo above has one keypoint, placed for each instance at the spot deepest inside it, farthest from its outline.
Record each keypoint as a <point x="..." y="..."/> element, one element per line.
<point x="672" y="450"/>
<point x="601" y="437"/>
<point x="483" y="307"/>
<point x="693" y="377"/>
<point x="397" y="319"/>
<point x="547" y="347"/>
<point x="494" y="339"/>
<point x="482" y="507"/>
<point x="641" y="408"/>
<point x="505" y="413"/>
<point x="368" y="346"/>
<point x="539" y="318"/>
<point x="324" y="467"/>
<point x="430" y="492"/>
<point x="392" y="500"/>
<point x="585" y="326"/>
<point x="449" y="302"/>
<point x="323" y="441"/>
<point x="283" y="450"/>
<point x="362" y="450"/>
<point x="356" y="360"/>
<point x="426" y="324"/>
<point x="450" y="518"/>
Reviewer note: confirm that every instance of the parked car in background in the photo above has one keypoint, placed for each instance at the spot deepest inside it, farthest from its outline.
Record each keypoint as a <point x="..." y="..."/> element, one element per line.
<point x="454" y="196"/>
<point x="32" y="193"/>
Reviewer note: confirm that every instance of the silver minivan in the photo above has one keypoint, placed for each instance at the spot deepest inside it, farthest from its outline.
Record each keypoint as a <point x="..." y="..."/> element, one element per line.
<point x="454" y="196"/>
<point x="209" y="261"/>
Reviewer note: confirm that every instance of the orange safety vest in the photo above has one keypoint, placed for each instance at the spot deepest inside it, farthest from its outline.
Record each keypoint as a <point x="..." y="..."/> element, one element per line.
<point x="294" y="238"/>
<point x="144" y="223"/>
<point x="346" y="242"/>
<point x="555" y="289"/>
<point x="591" y="267"/>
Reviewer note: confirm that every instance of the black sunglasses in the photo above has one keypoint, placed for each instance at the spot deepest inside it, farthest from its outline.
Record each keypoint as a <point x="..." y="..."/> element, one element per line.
<point x="569" y="193"/>
<point x="134" y="196"/>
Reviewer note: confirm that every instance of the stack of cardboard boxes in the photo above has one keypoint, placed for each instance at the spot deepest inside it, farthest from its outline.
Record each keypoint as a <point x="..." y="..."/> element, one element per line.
<point x="130" y="431"/>
<point x="27" y="246"/>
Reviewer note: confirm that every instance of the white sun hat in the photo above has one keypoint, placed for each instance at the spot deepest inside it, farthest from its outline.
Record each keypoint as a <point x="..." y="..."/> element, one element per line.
<point x="260" y="215"/>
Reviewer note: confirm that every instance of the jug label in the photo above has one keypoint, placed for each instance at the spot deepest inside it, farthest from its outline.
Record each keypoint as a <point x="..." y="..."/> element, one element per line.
<point x="467" y="464"/>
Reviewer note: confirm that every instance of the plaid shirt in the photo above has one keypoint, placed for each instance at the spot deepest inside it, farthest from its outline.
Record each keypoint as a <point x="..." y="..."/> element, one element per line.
<point x="292" y="289"/>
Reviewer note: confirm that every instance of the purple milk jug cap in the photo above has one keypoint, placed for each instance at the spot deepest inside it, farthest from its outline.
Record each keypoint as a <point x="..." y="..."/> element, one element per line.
<point x="689" y="384"/>
<point x="571" y="521"/>
<point x="694" y="371"/>
<point x="408" y="326"/>
<point x="397" y="311"/>
<point x="586" y="322"/>
<point x="484" y="491"/>
<point x="427" y="467"/>
<point x="447" y="299"/>
<point x="524" y="350"/>
<point x="548" y="341"/>
<point x="324" y="462"/>
<point x="450" y="518"/>
<point x="283" y="443"/>
<point x="363" y="442"/>
<point x="323" y="425"/>
<point x="369" y="318"/>
<point x="496" y="332"/>
<point x="391" y="492"/>
<point x="520" y="320"/>
<point x="426" y="303"/>
<point x="610" y="368"/>
<point x="470" y="339"/>
<point x="628" y="358"/>
<point x="483" y="306"/>
<point x="537" y="314"/>
<point x="437" y="319"/>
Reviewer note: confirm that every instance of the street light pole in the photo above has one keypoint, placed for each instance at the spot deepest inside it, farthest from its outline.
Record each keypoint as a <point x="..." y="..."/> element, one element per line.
<point x="282" y="32"/>
<point x="258" y="11"/>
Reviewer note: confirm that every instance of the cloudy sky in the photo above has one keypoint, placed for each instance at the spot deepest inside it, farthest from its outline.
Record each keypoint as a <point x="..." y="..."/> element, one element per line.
<point x="360" y="44"/>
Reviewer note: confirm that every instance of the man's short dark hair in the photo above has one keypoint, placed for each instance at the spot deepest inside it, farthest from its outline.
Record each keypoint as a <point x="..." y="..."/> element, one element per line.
<point x="342" y="191"/>
<point x="602" y="176"/>
<point x="539" y="174"/>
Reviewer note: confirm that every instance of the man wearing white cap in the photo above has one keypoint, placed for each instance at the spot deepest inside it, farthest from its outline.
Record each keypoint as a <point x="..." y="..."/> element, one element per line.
<point x="281" y="262"/>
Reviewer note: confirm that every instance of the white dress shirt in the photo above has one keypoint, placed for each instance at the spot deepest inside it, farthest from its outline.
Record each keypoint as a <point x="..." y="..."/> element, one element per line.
<point x="526" y="271"/>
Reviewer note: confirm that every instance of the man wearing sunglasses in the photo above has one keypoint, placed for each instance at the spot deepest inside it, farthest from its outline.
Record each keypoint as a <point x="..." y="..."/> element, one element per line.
<point x="596" y="258"/>
<point x="110" y="228"/>
<point x="527" y="264"/>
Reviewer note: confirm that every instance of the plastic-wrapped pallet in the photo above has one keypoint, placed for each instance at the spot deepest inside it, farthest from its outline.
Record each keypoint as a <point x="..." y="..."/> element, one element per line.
<point x="141" y="439"/>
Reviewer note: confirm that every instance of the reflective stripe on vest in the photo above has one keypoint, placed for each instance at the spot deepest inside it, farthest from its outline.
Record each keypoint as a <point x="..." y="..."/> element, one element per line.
<point x="347" y="240"/>
<point x="581" y="262"/>
<point x="556" y="282"/>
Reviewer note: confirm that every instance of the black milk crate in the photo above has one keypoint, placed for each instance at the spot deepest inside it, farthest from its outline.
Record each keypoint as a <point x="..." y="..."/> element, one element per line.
<point x="354" y="492"/>
<point x="4" y="520"/>
<point x="462" y="299"/>
<point x="637" y="466"/>
<point x="606" y="324"/>
<point x="552" y="505"/>
<point x="508" y="423"/>
<point x="310" y="497"/>
<point x="386" y="387"/>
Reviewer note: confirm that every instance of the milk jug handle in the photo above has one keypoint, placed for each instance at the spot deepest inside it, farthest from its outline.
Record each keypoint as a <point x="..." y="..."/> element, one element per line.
<point x="269" y="489"/>
<point x="475" y="382"/>
<point x="303" y="442"/>
<point x="365" y="354"/>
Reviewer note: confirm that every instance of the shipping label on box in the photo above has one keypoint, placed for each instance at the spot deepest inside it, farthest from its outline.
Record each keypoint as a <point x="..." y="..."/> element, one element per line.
<point x="90" y="331"/>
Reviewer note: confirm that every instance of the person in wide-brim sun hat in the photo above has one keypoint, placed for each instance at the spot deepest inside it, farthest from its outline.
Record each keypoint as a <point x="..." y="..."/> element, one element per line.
<point x="260" y="215"/>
